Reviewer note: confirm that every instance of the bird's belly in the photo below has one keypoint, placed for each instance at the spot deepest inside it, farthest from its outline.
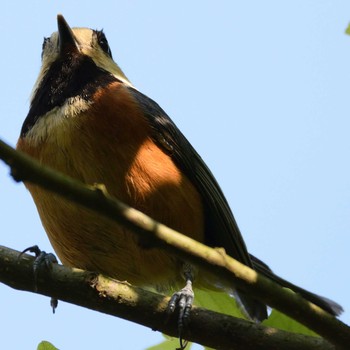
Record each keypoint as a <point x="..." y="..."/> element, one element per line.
<point x="88" y="241"/>
<point x="133" y="169"/>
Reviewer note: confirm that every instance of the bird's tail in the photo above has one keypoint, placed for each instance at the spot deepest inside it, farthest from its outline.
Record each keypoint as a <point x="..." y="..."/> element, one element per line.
<point x="326" y="304"/>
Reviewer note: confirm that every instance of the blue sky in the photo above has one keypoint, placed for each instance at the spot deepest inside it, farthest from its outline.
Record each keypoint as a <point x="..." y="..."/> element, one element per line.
<point x="261" y="90"/>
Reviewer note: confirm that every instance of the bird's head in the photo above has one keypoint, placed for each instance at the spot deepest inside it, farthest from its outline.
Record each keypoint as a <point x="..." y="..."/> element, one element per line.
<point x="76" y="62"/>
<point x="68" y="42"/>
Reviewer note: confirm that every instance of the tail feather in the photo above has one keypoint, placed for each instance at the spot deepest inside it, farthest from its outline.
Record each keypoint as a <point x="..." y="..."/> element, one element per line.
<point x="326" y="304"/>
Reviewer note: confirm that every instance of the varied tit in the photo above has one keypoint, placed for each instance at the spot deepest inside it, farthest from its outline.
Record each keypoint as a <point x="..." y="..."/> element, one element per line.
<point x="88" y="121"/>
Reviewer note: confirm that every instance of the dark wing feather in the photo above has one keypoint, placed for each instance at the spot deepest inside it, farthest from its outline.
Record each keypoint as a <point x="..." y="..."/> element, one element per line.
<point x="221" y="229"/>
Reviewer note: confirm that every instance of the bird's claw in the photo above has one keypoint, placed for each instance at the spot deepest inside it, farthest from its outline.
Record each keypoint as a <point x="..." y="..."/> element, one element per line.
<point x="41" y="259"/>
<point x="182" y="299"/>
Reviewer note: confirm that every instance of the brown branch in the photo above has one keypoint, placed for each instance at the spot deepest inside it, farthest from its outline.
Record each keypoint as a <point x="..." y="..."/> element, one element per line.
<point x="120" y="299"/>
<point x="25" y="168"/>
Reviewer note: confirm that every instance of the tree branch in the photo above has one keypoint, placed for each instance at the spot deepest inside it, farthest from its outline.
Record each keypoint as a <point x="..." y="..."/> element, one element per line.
<point x="216" y="261"/>
<point x="120" y="299"/>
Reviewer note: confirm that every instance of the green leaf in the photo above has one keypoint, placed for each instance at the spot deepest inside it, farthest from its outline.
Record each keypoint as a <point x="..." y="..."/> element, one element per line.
<point x="219" y="302"/>
<point x="45" y="345"/>
<point x="281" y="321"/>
<point x="222" y="302"/>
<point x="347" y="30"/>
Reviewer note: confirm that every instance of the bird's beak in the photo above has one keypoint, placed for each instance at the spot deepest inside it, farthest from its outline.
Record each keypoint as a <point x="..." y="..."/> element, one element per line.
<point x="67" y="41"/>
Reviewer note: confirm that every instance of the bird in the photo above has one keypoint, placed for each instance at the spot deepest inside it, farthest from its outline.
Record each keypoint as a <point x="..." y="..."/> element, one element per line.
<point x="88" y="121"/>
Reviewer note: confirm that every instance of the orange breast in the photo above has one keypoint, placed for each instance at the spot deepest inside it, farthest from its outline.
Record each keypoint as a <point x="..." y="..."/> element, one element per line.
<point x="110" y="144"/>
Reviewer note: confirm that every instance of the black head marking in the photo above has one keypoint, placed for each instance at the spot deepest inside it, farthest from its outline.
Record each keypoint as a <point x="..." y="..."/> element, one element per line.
<point x="103" y="42"/>
<point x="45" y="41"/>
<point x="75" y="75"/>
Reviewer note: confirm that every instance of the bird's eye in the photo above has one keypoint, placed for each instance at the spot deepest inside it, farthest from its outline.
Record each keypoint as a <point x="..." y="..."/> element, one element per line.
<point x="102" y="41"/>
<point x="46" y="40"/>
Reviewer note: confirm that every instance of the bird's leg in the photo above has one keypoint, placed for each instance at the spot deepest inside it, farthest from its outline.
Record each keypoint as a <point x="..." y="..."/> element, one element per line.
<point x="41" y="259"/>
<point x="184" y="300"/>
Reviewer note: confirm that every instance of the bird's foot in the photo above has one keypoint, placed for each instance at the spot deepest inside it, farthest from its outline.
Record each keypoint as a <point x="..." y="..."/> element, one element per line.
<point x="183" y="300"/>
<point x="41" y="259"/>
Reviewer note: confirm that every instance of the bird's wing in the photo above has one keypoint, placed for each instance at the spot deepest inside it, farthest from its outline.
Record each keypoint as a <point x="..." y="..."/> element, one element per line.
<point x="221" y="227"/>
